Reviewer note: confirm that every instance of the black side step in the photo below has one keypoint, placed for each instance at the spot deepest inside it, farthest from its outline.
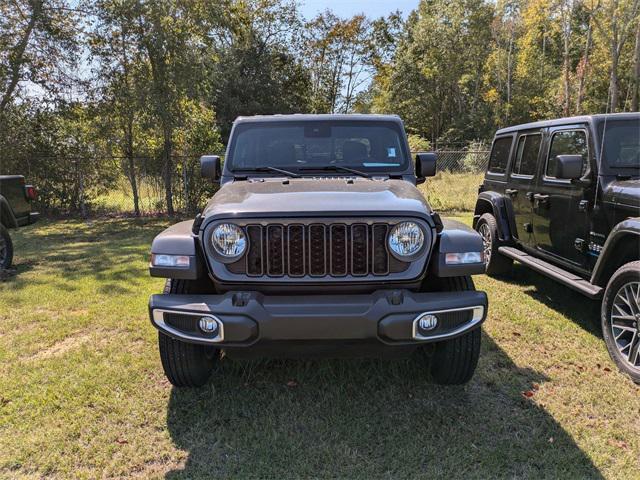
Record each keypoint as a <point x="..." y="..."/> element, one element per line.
<point x="563" y="276"/>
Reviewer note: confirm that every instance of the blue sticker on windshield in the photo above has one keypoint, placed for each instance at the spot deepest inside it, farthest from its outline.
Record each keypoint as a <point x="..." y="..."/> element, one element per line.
<point x="391" y="152"/>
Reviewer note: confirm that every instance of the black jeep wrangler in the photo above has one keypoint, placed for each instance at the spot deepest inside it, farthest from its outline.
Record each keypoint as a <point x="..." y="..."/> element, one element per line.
<point x="317" y="242"/>
<point x="563" y="198"/>
<point x="15" y="211"/>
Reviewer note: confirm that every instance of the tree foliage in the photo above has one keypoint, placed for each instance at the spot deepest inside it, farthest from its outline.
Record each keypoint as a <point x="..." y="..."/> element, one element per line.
<point x="94" y="93"/>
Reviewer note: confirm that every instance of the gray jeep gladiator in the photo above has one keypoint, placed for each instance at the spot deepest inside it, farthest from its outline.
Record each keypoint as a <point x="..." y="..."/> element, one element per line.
<point x="318" y="243"/>
<point x="15" y="211"/>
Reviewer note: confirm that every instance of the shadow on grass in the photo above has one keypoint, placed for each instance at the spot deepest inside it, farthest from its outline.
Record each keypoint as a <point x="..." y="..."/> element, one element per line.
<point x="108" y="251"/>
<point x="369" y="419"/>
<point x="573" y="305"/>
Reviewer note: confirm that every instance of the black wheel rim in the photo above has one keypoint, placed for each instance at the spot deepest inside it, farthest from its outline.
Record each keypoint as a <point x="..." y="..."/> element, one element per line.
<point x="625" y="323"/>
<point x="485" y="233"/>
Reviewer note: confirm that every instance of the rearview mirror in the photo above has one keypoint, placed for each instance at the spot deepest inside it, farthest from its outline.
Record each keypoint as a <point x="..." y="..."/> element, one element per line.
<point x="425" y="165"/>
<point x="568" y="167"/>
<point x="210" y="167"/>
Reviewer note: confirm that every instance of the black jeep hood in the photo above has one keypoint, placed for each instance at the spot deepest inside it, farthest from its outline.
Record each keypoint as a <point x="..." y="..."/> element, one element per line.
<point x="623" y="192"/>
<point x="313" y="196"/>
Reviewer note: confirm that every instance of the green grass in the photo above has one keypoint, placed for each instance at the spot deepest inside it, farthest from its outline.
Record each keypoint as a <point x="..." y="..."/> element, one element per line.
<point x="452" y="192"/>
<point x="82" y="393"/>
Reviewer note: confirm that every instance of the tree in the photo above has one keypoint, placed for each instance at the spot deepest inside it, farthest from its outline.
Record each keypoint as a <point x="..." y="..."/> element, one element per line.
<point x="615" y="20"/>
<point x="38" y="42"/>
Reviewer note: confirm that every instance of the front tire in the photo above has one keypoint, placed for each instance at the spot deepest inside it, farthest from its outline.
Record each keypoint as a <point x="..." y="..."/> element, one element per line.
<point x="497" y="264"/>
<point x="454" y="361"/>
<point x="620" y="318"/>
<point x="6" y="248"/>
<point x="185" y="364"/>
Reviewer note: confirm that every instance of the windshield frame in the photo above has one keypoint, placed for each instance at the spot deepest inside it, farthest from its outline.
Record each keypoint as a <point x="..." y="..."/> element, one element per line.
<point x="405" y="168"/>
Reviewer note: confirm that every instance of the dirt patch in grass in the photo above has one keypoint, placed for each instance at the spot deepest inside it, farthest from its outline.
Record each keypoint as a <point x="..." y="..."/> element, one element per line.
<point x="63" y="346"/>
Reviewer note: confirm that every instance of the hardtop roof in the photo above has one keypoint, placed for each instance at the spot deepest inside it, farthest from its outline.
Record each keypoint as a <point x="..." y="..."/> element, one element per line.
<point x="309" y="117"/>
<point x="569" y="121"/>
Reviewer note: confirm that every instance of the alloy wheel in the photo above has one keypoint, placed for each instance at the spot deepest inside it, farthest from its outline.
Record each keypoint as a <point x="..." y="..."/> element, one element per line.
<point x="625" y="323"/>
<point x="485" y="233"/>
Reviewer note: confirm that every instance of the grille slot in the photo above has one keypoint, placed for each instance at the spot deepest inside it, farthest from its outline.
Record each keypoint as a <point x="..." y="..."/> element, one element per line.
<point x="318" y="250"/>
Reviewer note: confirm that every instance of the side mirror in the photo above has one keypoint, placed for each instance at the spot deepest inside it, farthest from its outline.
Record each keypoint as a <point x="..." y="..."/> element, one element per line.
<point x="568" y="167"/>
<point x="425" y="165"/>
<point x="210" y="167"/>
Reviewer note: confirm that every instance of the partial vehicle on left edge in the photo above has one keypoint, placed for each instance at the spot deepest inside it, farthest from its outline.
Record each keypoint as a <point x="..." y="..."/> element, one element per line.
<point x="15" y="211"/>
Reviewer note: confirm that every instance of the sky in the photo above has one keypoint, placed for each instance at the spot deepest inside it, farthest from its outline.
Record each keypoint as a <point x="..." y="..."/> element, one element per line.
<point x="348" y="8"/>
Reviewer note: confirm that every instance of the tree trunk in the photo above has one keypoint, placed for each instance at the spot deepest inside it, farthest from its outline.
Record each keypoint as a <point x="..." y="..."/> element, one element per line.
<point x="583" y="71"/>
<point x="613" y="81"/>
<point x="567" y="66"/>
<point x="131" y="174"/>
<point x="168" y="166"/>
<point x="635" y="99"/>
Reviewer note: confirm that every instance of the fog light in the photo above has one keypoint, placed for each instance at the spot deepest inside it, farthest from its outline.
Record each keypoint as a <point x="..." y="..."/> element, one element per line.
<point x="208" y="325"/>
<point x="426" y="323"/>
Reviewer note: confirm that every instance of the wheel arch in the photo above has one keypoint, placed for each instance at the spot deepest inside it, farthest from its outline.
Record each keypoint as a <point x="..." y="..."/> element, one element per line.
<point x="493" y="203"/>
<point x="621" y="247"/>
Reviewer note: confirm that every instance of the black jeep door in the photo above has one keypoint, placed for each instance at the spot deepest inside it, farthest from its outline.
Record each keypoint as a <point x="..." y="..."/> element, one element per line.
<point x="560" y="214"/>
<point x="522" y="185"/>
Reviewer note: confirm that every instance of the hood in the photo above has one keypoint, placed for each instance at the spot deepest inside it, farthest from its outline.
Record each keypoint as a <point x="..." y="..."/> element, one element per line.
<point x="324" y="196"/>
<point x="623" y="192"/>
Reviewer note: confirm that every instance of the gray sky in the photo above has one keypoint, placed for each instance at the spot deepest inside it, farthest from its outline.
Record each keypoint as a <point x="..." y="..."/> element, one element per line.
<point x="348" y="8"/>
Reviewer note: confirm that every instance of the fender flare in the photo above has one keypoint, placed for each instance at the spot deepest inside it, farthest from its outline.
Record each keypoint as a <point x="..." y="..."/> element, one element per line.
<point x="456" y="237"/>
<point x="502" y="211"/>
<point x="628" y="228"/>
<point x="178" y="239"/>
<point x="7" y="218"/>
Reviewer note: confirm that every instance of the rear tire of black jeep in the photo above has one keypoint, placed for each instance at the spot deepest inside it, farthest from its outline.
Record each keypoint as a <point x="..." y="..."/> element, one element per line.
<point x="454" y="361"/>
<point x="6" y="248"/>
<point x="497" y="264"/>
<point x="620" y="318"/>
<point x="185" y="364"/>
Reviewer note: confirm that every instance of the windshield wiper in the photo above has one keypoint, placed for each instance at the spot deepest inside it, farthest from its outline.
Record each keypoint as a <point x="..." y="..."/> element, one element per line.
<point x="336" y="168"/>
<point x="269" y="169"/>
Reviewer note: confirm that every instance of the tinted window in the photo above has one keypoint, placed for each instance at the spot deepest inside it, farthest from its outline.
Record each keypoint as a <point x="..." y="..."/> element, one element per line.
<point x="500" y="155"/>
<point x="291" y="145"/>
<point x="570" y="142"/>
<point x="621" y="143"/>
<point x="527" y="155"/>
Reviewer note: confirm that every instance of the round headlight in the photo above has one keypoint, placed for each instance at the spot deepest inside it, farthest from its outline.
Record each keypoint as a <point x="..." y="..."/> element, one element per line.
<point x="229" y="240"/>
<point x="406" y="239"/>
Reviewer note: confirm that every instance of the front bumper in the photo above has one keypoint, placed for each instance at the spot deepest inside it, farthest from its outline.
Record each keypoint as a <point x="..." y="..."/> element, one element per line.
<point x="386" y="316"/>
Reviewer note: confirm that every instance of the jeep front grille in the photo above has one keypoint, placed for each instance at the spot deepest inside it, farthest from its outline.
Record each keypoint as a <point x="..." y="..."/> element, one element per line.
<point x="317" y="250"/>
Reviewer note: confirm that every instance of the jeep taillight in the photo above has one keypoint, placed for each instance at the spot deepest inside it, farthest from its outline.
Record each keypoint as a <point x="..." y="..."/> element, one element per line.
<point x="30" y="192"/>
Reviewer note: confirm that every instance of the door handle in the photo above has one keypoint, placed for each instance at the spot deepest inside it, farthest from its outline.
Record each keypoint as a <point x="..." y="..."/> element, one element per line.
<point x="541" y="199"/>
<point x="512" y="192"/>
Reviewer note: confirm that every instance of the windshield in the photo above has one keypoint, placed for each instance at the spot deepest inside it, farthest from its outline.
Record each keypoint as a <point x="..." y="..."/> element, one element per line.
<point x="621" y="145"/>
<point x="361" y="145"/>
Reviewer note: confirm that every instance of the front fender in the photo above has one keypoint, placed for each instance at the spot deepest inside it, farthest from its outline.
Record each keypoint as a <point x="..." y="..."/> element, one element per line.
<point x="177" y="240"/>
<point x="456" y="237"/>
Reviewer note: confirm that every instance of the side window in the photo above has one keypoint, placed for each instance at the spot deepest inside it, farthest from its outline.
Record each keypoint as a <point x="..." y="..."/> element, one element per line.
<point x="527" y="154"/>
<point x="500" y="155"/>
<point x="569" y="142"/>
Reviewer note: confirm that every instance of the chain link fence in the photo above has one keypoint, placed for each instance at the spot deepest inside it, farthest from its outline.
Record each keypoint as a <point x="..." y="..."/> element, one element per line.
<point x="140" y="185"/>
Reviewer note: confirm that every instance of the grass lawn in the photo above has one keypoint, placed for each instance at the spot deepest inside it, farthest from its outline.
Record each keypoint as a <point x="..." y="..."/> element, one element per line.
<point x="82" y="393"/>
